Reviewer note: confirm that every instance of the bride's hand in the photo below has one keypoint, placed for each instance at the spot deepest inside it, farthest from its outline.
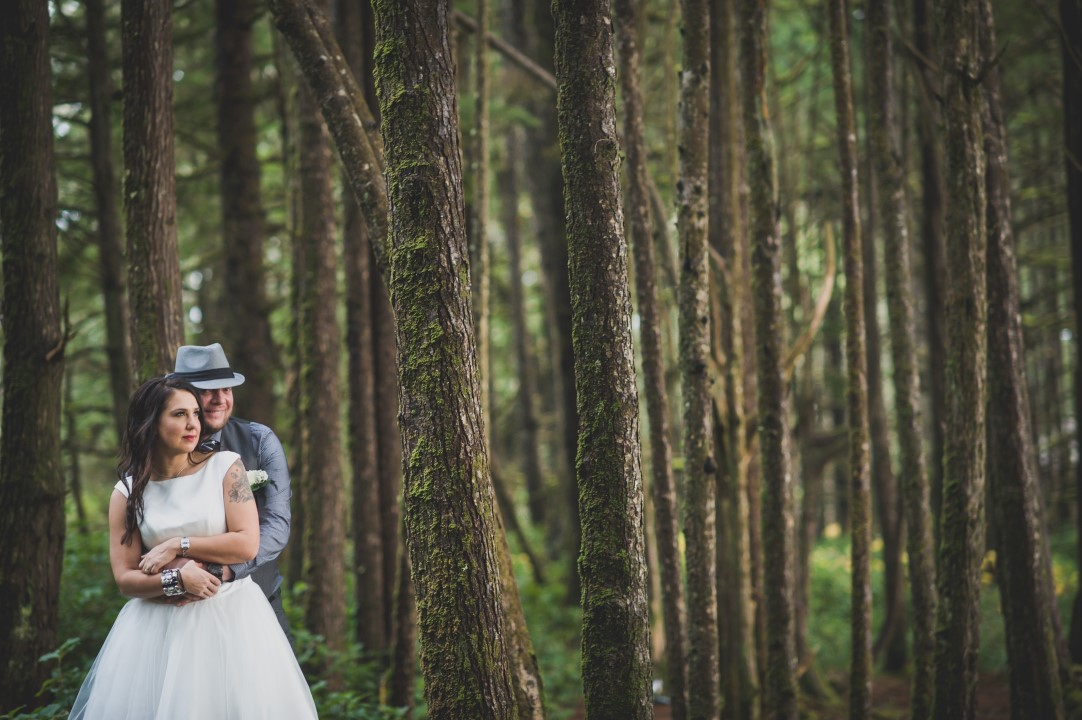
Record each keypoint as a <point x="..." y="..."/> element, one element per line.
<point x="159" y="556"/>
<point x="198" y="582"/>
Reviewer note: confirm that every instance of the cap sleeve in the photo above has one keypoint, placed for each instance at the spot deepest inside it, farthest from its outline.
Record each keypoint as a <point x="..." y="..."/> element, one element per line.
<point x="124" y="486"/>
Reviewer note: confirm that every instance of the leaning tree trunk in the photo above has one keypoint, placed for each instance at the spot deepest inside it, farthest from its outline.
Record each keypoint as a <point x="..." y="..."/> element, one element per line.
<point x="653" y="360"/>
<point x="1071" y="23"/>
<point x="157" y="326"/>
<point x="321" y="476"/>
<point x="962" y="522"/>
<point x="449" y="503"/>
<point x="612" y="565"/>
<point x="907" y="403"/>
<point x="369" y="592"/>
<point x="114" y="276"/>
<point x="777" y="500"/>
<point x="248" y="333"/>
<point x="700" y="467"/>
<point x="859" y="464"/>
<point x="31" y="481"/>
<point x="1014" y="492"/>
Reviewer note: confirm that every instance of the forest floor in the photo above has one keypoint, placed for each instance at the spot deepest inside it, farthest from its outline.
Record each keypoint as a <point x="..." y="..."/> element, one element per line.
<point x="890" y="701"/>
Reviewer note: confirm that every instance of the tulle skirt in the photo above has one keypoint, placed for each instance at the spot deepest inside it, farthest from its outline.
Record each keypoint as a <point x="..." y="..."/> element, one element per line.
<point x="225" y="657"/>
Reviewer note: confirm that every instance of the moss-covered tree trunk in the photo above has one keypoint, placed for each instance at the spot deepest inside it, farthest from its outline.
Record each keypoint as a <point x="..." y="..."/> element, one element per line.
<point x="248" y="333"/>
<point x="700" y="468"/>
<point x="114" y="275"/>
<point x="1012" y="478"/>
<point x="626" y="15"/>
<point x="777" y="501"/>
<point x="1071" y="22"/>
<point x="449" y="505"/>
<point x="907" y="402"/>
<point x="859" y="464"/>
<point x="372" y="629"/>
<point x="736" y="614"/>
<point x="31" y="481"/>
<point x="612" y="564"/>
<point x="322" y="485"/>
<point x="933" y="199"/>
<point x="962" y="521"/>
<point x="157" y="323"/>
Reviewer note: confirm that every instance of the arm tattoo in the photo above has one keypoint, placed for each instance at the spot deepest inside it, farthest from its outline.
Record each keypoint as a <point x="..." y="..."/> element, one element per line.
<point x="239" y="490"/>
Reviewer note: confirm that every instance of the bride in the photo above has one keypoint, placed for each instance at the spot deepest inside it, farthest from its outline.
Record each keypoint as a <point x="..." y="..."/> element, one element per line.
<point x="186" y="645"/>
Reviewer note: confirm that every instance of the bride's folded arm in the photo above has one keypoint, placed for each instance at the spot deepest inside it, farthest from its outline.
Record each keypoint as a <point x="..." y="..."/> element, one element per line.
<point x="124" y="558"/>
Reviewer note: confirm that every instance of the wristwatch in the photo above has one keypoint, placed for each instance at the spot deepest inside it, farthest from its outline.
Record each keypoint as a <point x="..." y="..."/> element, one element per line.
<point x="185" y="546"/>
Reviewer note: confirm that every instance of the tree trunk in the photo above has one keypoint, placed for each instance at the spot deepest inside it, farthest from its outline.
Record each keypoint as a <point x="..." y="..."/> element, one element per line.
<point x="914" y="484"/>
<point x="114" y="280"/>
<point x="1012" y="479"/>
<point x="372" y="629"/>
<point x="480" y="262"/>
<point x="700" y="481"/>
<point x="508" y="181"/>
<point x="962" y="545"/>
<point x="157" y="326"/>
<point x="322" y="485"/>
<point x="856" y="356"/>
<point x="653" y="363"/>
<point x="451" y="526"/>
<point x="404" y="660"/>
<point x="31" y="480"/>
<point x="736" y="613"/>
<point x="777" y="501"/>
<point x="247" y="322"/>
<point x="933" y="202"/>
<point x="1071" y="23"/>
<point x="615" y="629"/>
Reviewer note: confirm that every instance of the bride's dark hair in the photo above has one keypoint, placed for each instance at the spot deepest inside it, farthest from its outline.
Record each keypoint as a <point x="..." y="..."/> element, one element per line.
<point x="140" y="432"/>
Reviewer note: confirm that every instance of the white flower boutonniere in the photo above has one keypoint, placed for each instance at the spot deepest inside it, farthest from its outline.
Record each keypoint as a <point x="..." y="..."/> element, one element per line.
<point x="257" y="479"/>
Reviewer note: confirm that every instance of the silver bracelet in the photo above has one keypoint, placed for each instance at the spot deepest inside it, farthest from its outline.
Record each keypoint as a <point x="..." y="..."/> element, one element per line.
<point x="172" y="583"/>
<point x="185" y="546"/>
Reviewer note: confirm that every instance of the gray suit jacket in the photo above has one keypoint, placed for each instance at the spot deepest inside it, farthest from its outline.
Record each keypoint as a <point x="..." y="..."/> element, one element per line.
<point x="260" y="449"/>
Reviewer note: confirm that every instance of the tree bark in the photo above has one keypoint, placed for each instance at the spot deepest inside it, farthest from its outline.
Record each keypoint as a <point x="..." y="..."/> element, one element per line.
<point x="914" y="484"/>
<point x="247" y="322"/>
<point x="653" y="361"/>
<point x="962" y="522"/>
<point x="114" y="279"/>
<point x="700" y="468"/>
<point x="31" y="480"/>
<point x="856" y="356"/>
<point x="404" y="659"/>
<point x="372" y="629"/>
<point x="1012" y="478"/>
<point x="480" y="270"/>
<point x="615" y="629"/>
<point x="777" y="501"/>
<point x="451" y="526"/>
<point x="1071" y="24"/>
<point x="324" y="492"/>
<point x="157" y="326"/>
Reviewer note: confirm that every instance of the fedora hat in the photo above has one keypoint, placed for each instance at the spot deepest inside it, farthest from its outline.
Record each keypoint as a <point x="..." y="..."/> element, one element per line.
<point x="206" y="367"/>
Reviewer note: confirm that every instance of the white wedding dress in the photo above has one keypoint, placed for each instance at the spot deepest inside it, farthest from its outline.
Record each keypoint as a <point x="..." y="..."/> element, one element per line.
<point x="225" y="657"/>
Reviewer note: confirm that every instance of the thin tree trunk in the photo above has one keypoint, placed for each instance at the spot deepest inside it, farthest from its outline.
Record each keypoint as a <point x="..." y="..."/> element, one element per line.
<point x="653" y="363"/>
<point x="612" y="565"/>
<point x="1012" y="479"/>
<point x="324" y="492"/>
<point x="114" y="279"/>
<point x="962" y="521"/>
<point x="372" y="629"/>
<point x="856" y="356"/>
<point x="700" y="482"/>
<point x="157" y="328"/>
<point x="907" y="402"/>
<point x="1071" y="24"/>
<point x="31" y="480"/>
<point x="450" y="509"/>
<point x="71" y="440"/>
<point x="777" y="501"/>
<point x="480" y="270"/>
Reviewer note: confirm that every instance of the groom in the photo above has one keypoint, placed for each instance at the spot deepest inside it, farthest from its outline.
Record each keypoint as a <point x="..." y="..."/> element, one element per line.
<point x="206" y="367"/>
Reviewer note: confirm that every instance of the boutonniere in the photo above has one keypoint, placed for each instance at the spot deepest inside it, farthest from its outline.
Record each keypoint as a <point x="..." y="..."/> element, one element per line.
<point x="257" y="479"/>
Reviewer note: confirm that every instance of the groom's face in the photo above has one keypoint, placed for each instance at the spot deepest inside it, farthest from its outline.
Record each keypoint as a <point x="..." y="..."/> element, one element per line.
<point x="217" y="408"/>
